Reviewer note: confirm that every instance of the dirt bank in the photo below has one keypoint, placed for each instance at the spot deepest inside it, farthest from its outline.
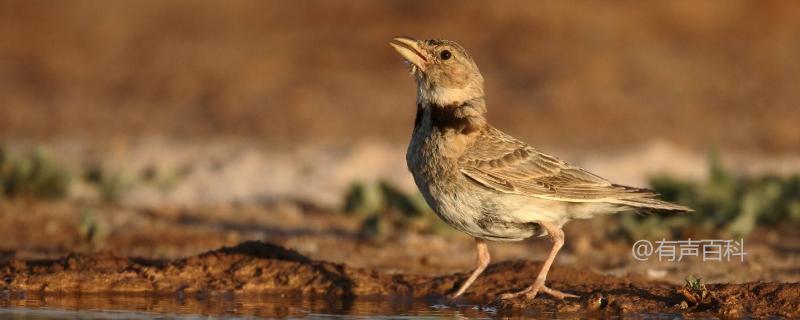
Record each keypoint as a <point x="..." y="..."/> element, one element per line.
<point x="257" y="267"/>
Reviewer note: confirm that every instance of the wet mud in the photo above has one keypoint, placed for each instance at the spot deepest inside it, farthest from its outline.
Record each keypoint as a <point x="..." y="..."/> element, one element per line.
<point x="256" y="267"/>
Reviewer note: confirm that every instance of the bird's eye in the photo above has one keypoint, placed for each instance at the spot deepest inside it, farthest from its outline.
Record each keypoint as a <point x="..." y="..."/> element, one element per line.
<point x="445" y="54"/>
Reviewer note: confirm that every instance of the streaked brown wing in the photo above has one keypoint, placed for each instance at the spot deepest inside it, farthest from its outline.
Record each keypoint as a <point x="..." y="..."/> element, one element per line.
<point x="508" y="165"/>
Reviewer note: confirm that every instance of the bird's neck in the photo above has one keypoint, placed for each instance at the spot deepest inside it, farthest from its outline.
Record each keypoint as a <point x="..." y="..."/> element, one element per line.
<point x="461" y="117"/>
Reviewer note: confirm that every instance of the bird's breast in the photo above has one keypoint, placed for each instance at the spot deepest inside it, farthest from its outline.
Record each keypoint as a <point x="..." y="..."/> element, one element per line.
<point x="432" y="154"/>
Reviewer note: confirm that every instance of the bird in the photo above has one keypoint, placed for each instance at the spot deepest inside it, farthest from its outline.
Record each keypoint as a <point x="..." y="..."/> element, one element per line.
<point x="488" y="184"/>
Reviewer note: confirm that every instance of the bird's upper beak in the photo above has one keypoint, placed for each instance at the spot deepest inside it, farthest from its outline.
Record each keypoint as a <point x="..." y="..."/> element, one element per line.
<point x="411" y="51"/>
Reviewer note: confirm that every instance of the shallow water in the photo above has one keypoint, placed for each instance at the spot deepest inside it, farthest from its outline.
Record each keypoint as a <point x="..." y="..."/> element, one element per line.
<point x="137" y="306"/>
<point x="95" y="306"/>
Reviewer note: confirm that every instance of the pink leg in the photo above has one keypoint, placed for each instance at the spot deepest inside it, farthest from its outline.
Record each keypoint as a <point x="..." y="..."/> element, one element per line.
<point x="557" y="236"/>
<point x="483" y="261"/>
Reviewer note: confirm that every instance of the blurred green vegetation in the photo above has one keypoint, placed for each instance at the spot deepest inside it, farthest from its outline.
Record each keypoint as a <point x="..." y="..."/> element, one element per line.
<point x="33" y="174"/>
<point x="164" y="180"/>
<point x="92" y="230"/>
<point x="111" y="185"/>
<point x="37" y="174"/>
<point x="384" y="209"/>
<point x="725" y="204"/>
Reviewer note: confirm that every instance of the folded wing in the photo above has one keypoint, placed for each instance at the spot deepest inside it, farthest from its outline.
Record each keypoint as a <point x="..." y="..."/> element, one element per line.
<point x="505" y="164"/>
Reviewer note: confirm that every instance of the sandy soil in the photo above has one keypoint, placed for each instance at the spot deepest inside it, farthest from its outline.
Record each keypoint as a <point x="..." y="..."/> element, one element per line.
<point x="254" y="267"/>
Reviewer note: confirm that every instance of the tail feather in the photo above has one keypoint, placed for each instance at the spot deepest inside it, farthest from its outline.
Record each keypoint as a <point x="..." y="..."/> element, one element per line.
<point x="653" y="204"/>
<point x="645" y="199"/>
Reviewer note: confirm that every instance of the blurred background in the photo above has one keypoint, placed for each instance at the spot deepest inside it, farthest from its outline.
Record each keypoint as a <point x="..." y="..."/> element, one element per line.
<point x="167" y="128"/>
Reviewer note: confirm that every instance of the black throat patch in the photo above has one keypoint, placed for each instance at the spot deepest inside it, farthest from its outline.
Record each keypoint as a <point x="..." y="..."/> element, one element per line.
<point x="420" y="114"/>
<point x="450" y="117"/>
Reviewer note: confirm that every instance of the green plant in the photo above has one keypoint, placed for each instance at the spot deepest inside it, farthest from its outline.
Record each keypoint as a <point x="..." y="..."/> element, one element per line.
<point x="34" y="174"/>
<point x="724" y="204"/>
<point x="93" y="232"/>
<point x="88" y="226"/>
<point x="164" y="180"/>
<point x="695" y="291"/>
<point x="111" y="186"/>
<point x="363" y="199"/>
<point x="386" y="209"/>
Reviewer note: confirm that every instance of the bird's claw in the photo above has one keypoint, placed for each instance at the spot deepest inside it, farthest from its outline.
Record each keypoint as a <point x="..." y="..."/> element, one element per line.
<point x="531" y="292"/>
<point x="528" y="293"/>
<point x="449" y="300"/>
<point x="558" y="294"/>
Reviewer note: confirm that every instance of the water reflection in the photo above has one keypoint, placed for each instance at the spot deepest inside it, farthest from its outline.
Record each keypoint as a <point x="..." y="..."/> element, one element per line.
<point x="150" y="306"/>
<point x="146" y="306"/>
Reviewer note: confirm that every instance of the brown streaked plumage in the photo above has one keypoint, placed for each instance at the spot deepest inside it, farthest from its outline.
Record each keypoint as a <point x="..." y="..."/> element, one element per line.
<point x="487" y="183"/>
<point x="505" y="164"/>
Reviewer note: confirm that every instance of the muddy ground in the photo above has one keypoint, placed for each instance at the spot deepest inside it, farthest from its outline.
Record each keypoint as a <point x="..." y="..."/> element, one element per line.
<point x="258" y="267"/>
<point x="34" y="230"/>
<point x="288" y="248"/>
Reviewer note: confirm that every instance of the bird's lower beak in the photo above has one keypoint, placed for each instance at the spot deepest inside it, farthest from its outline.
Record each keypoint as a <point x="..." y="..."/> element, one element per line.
<point x="411" y="51"/>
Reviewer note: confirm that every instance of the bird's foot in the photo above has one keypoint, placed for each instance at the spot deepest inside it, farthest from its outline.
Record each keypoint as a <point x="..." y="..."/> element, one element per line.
<point x="530" y="292"/>
<point x="450" y="299"/>
<point x="558" y="294"/>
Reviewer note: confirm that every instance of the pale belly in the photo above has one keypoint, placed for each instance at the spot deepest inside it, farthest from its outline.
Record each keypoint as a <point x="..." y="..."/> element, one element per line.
<point x="479" y="212"/>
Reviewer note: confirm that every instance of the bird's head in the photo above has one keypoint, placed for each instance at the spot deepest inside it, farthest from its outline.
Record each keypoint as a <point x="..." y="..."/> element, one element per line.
<point x="444" y="71"/>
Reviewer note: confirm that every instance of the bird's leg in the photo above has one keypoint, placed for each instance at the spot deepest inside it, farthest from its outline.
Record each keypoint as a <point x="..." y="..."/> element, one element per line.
<point x="482" y="261"/>
<point x="557" y="236"/>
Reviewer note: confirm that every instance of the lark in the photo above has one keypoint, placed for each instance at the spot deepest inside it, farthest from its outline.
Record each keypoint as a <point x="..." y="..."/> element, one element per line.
<point x="488" y="184"/>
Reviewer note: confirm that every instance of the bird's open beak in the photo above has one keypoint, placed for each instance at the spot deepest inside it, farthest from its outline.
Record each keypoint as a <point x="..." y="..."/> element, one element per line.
<point x="410" y="50"/>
